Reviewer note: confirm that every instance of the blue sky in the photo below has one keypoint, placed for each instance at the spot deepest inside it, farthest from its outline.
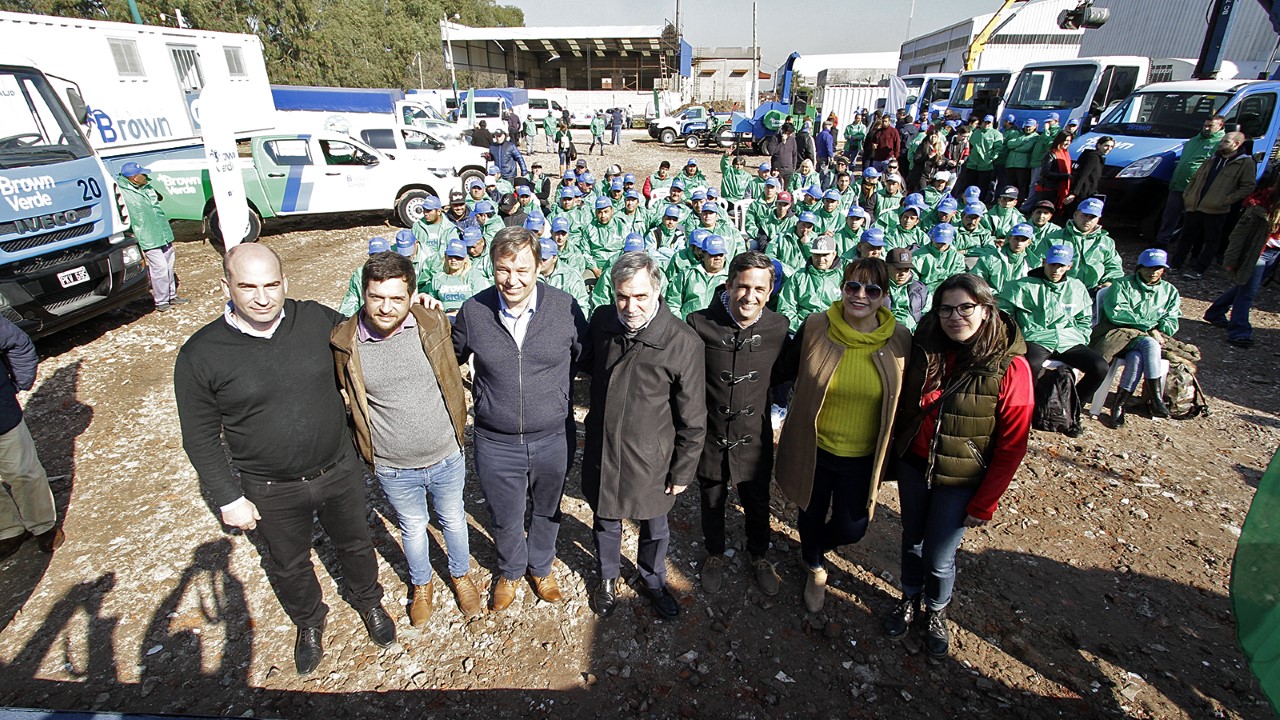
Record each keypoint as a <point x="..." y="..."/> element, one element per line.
<point x="809" y="26"/>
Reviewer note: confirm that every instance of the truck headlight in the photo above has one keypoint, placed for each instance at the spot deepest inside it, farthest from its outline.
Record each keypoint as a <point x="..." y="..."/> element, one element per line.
<point x="131" y="255"/>
<point x="1140" y="168"/>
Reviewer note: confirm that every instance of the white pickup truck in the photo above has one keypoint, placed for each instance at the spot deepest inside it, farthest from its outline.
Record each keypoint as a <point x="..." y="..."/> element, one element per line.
<point x="441" y="157"/>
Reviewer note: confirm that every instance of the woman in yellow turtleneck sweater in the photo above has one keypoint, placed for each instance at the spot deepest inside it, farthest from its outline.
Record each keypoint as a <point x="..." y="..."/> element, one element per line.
<point x="847" y="363"/>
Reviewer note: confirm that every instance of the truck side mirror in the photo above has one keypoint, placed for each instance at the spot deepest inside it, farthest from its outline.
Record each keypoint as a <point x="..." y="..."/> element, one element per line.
<point x="369" y="160"/>
<point x="1259" y="156"/>
<point x="79" y="110"/>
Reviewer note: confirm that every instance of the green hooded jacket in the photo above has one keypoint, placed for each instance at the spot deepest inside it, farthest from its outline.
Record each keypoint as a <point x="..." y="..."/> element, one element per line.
<point x="569" y="279"/>
<point x="1129" y="302"/>
<point x="150" y="224"/>
<point x="1096" y="259"/>
<point x="453" y="290"/>
<point x="933" y="265"/>
<point x="1057" y="316"/>
<point x="984" y="147"/>
<point x="973" y="243"/>
<point x="809" y="291"/>
<point x="999" y="267"/>
<point x="733" y="180"/>
<point x="1019" y="150"/>
<point x="899" y="237"/>
<point x="601" y="242"/>
<point x="693" y="289"/>
<point x="1000" y="220"/>
<point x="1198" y="149"/>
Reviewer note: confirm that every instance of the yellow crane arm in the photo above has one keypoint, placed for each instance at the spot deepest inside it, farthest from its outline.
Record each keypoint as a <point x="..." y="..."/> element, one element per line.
<point x="980" y="40"/>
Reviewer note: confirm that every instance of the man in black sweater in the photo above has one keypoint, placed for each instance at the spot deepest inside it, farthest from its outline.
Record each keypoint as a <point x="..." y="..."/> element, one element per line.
<point x="262" y="378"/>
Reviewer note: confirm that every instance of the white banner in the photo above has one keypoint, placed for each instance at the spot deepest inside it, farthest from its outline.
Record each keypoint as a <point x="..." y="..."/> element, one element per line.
<point x="215" y="112"/>
<point x="897" y="95"/>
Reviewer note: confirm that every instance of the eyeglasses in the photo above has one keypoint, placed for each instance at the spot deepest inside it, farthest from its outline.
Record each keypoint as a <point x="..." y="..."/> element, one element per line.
<point x="853" y="287"/>
<point x="964" y="310"/>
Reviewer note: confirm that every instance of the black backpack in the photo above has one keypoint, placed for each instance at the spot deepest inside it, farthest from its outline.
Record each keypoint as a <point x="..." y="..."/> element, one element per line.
<point x="1057" y="404"/>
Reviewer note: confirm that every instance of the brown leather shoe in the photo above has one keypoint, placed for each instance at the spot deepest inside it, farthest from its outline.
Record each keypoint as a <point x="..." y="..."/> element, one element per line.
<point x="464" y="588"/>
<point x="424" y="603"/>
<point x="504" y="593"/>
<point x="546" y="588"/>
<point x="51" y="539"/>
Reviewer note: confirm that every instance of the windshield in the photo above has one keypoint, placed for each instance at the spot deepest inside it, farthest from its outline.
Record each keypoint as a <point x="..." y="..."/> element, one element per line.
<point x="35" y="128"/>
<point x="484" y="108"/>
<point x="1165" y="115"/>
<point x="972" y="86"/>
<point x="426" y="112"/>
<point x="913" y="83"/>
<point x="1050" y="88"/>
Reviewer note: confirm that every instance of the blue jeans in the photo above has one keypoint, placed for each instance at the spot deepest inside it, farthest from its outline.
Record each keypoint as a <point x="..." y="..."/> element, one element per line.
<point x="1141" y="359"/>
<point x="1239" y="299"/>
<point x="932" y="528"/>
<point x="407" y="489"/>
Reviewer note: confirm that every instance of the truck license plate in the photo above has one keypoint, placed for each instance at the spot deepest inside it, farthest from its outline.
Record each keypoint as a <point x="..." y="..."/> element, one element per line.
<point x="75" y="276"/>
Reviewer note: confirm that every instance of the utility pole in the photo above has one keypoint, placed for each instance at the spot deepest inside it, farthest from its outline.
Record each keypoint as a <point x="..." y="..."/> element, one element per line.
<point x="755" y="61"/>
<point x="910" y="16"/>
<point x="448" y="57"/>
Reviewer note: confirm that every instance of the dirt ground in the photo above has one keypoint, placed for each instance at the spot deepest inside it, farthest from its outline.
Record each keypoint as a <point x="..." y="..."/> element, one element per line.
<point x="1100" y="590"/>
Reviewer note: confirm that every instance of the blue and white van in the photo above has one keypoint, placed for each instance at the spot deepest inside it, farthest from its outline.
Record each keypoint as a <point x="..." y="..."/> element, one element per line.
<point x="928" y="92"/>
<point x="980" y="91"/>
<point x="1079" y="89"/>
<point x="1151" y="126"/>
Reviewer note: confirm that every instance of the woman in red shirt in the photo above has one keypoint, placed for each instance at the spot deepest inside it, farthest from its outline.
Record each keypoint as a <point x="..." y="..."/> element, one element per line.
<point x="1055" y="171"/>
<point x="960" y="435"/>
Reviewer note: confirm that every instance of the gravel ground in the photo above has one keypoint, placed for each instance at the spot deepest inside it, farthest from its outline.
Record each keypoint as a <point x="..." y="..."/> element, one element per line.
<point x="1101" y="589"/>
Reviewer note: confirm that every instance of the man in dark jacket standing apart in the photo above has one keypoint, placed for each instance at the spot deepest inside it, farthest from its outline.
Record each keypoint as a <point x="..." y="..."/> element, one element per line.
<point x="506" y="156"/>
<point x="26" y="503"/>
<point x="526" y="337"/>
<point x="1086" y="176"/>
<point x="1225" y="178"/>
<point x="645" y="426"/>
<point x="741" y="340"/>
<point x="786" y="154"/>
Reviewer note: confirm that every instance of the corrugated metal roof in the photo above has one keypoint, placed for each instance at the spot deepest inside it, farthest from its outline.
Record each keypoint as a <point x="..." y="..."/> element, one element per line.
<point x="1176" y="29"/>
<point x="462" y="33"/>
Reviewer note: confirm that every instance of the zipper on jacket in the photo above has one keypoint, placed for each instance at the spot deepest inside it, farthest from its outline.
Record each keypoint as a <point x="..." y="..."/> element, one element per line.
<point x="973" y="448"/>
<point x="520" y="383"/>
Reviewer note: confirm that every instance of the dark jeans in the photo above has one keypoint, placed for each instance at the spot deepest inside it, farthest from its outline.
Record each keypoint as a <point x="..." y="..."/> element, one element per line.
<point x="982" y="179"/>
<point x="754" y="495"/>
<point x="289" y="509"/>
<point x="1239" y="299"/>
<point x="841" y="486"/>
<point x="1019" y="178"/>
<point x="1081" y="357"/>
<point x="932" y="529"/>
<point x="651" y="556"/>
<point x="1201" y="236"/>
<point x="1169" y="220"/>
<point x="512" y="476"/>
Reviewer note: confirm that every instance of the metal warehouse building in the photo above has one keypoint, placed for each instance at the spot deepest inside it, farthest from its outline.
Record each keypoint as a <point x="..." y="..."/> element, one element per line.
<point x="1032" y="35"/>
<point x="630" y="58"/>
<point x="1176" y="29"/>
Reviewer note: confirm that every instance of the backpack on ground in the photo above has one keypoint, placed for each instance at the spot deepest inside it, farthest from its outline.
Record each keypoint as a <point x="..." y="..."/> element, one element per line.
<point x="1057" y="404"/>
<point x="1182" y="393"/>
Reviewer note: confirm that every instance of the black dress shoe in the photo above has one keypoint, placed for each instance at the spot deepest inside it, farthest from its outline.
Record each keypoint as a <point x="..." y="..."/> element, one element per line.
<point x="663" y="601"/>
<point x="898" y="621"/>
<point x="604" y="599"/>
<point x="9" y="546"/>
<point x="308" y="649"/>
<point x="382" y="630"/>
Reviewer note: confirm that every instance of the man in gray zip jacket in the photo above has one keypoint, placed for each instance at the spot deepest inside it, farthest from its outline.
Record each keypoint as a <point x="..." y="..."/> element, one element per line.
<point x="526" y="338"/>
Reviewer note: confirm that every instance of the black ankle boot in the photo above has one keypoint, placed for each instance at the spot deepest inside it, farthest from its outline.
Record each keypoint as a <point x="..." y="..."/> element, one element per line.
<point x="1117" y="407"/>
<point x="1154" y="390"/>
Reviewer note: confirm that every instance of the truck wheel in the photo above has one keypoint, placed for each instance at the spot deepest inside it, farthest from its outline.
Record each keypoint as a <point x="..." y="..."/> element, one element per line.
<point x="768" y="145"/>
<point x="409" y="206"/>
<point x="215" y="233"/>
<point x="667" y="136"/>
<point x="691" y="142"/>
<point x="725" y="137"/>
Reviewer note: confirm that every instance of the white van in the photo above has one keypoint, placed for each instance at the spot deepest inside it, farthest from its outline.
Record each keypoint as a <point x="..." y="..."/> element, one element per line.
<point x="541" y="104"/>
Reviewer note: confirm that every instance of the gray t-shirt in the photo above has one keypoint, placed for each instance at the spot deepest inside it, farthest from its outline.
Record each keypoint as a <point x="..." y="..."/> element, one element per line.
<point x="409" y="423"/>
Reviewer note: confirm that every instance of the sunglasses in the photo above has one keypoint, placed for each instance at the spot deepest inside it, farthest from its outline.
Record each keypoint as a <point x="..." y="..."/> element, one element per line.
<point x="873" y="292"/>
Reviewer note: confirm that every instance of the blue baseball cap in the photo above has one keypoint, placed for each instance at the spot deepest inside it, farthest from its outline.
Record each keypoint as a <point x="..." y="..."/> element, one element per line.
<point x="773" y="181"/>
<point x="948" y="204"/>
<point x="576" y="192"/>
<point x="547" y="249"/>
<point x="523" y="190"/>
<point x="873" y="236"/>
<point x="586" y="178"/>
<point x="915" y="198"/>
<point x="615" y="185"/>
<point x="1092" y="206"/>
<point x="1029" y="122"/>
<point x="710" y="207"/>
<point x="1153" y="257"/>
<point x="714" y="245"/>
<point x="989" y="118"/>
<point x="1060" y="255"/>
<point x="377" y="245"/>
<point x="567" y="192"/>
<point x="560" y="224"/>
<point x="431" y="202"/>
<point x="696" y="237"/>
<point x="455" y="248"/>
<point x="472" y="236"/>
<point x="856" y="211"/>
<point x="484" y="206"/>
<point x="764" y="167"/>
<point x="808" y="217"/>
<point x="405" y="242"/>
<point x="1023" y="230"/>
<point x="603" y="202"/>
<point x="943" y="234"/>
<point x="535" y="222"/>
<point x="493" y="169"/>
<point x="831" y="195"/>
<point x="677" y="184"/>
<point x="689" y="162"/>
<point x="972" y="193"/>
<point x="871" y="174"/>
<point x="713" y="193"/>
<point x="132" y="169"/>
<point x="633" y="243"/>
<point x="1010" y="118"/>
<point x="1053" y="117"/>
<point x="975" y="208"/>
<point x="698" y="194"/>
<point x="953" y="124"/>
<point x="475" y="183"/>
<point x="629" y="179"/>
<point x="672" y="211"/>
<point x="813" y="191"/>
<point x="568" y="175"/>
<point x="631" y="194"/>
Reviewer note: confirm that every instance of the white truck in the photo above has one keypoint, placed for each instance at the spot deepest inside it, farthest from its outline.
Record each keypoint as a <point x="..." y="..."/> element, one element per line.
<point x="442" y="158"/>
<point x="351" y="110"/>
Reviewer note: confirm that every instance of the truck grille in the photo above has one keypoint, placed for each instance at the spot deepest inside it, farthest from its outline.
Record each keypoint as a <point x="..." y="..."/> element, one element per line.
<point x="26" y="243"/>
<point x="43" y="262"/>
<point x="58" y="303"/>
